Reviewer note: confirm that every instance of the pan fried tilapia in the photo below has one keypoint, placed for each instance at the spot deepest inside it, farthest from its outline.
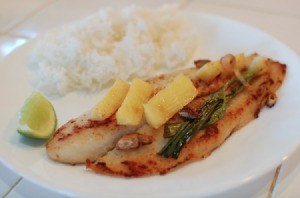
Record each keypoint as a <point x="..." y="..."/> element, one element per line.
<point x="83" y="138"/>
<point x="99" y="143"/>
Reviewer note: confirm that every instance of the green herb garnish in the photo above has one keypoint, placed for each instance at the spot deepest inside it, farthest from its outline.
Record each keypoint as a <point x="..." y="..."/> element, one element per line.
<point x="211" y="111"/>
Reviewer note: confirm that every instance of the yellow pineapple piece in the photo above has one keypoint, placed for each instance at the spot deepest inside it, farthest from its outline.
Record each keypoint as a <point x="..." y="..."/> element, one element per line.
<point x="131" y="110"/>
<point x="210" y="71"/>
<point x="240" y="61"/>
<point x="111" y="101"/>
<point x="160" y="108"/>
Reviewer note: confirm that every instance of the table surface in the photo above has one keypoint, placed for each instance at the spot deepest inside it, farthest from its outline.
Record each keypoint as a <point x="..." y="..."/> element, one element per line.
<point x="21" y="21"/>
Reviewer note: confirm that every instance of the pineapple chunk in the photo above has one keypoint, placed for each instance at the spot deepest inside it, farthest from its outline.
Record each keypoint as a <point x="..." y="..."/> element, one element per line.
<point x="169" y="101"/>
<point x="210" y="71"/>
<point x="131" y="110"/>
<point x="111" y="101"/>
<point x="240" y="61"/>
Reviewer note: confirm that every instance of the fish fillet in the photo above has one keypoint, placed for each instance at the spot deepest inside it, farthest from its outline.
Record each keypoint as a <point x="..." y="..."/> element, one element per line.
<point x="82" y="140"/>
<point x="143" y="161"/>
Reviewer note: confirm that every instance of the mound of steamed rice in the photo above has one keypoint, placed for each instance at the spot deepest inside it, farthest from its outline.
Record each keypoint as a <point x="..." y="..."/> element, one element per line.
<point x="110" y="44"/>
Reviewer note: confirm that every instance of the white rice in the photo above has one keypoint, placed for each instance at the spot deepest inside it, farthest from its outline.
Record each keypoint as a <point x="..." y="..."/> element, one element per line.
<point x="110" y="44"/>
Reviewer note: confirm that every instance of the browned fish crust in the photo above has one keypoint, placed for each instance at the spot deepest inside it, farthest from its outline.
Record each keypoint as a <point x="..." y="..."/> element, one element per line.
<point x="82" y="138"/>
<point x="79" y="138"/>
<point x="144" y="161"/>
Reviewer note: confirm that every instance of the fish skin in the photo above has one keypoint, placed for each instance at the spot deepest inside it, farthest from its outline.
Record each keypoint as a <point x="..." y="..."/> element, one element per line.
<point x="145" y="161"/>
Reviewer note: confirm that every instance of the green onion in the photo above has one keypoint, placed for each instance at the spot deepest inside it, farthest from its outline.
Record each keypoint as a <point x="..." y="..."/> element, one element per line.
<point x="211" y="111"/>
<point x="170" y="129"/>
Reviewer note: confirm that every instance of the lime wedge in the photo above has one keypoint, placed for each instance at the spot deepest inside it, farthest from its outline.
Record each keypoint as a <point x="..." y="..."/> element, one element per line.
<point x="37" y="118"/>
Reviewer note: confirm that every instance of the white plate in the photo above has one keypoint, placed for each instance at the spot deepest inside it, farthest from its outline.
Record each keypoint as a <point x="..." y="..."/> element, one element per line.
<point x="245" y="156"/>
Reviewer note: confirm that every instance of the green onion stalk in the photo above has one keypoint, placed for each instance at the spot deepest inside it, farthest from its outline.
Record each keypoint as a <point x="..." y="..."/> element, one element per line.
<point x="211" y="111"/>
